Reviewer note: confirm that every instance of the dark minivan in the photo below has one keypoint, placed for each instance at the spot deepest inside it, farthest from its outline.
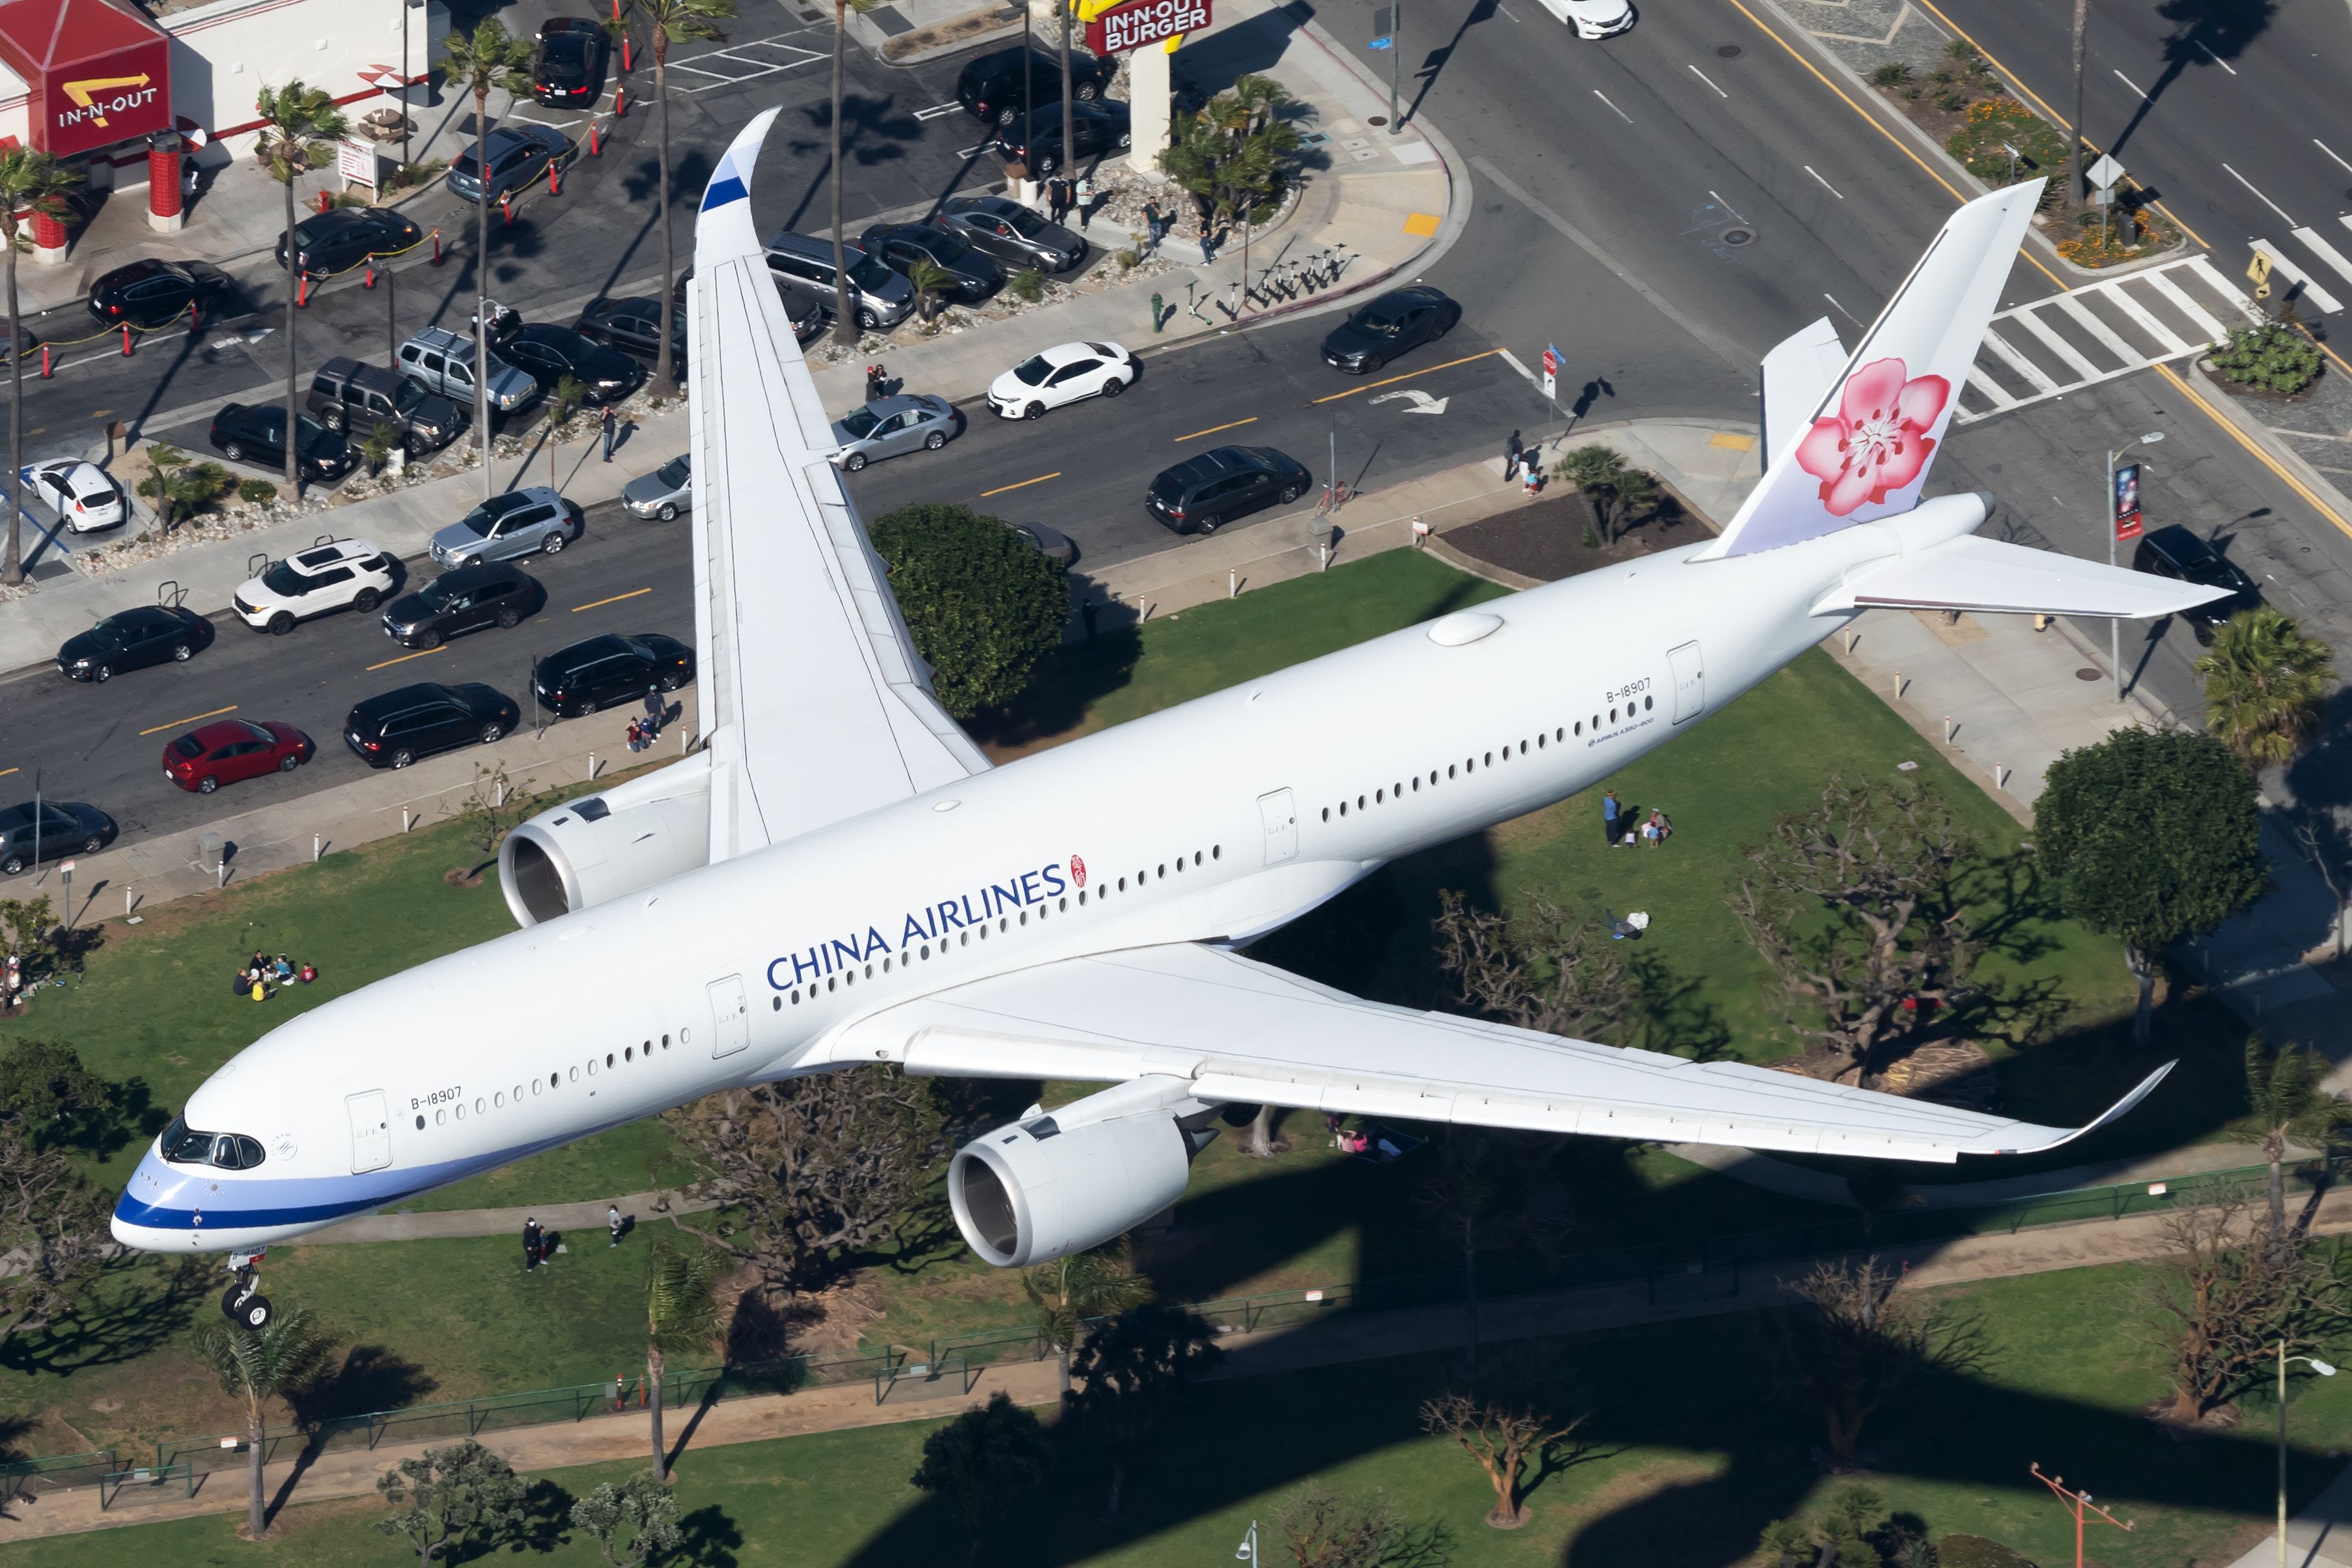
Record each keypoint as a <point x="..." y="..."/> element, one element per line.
<point x="1202" y="494"/>
<point x="2174" y="551"/>
<point x="608" y="670"/>
<point x="396" y="729"/>
<point x="494" y="594"/>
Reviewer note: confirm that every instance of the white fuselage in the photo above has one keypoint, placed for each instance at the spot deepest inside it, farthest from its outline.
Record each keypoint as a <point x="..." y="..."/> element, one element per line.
<point x="1214" y="821"/>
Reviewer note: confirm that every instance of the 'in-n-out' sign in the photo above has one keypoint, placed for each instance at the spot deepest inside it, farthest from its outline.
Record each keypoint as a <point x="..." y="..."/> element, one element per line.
<point x="1141" y="22"/>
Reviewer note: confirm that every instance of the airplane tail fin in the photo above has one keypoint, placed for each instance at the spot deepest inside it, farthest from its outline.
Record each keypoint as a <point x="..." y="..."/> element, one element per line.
<point x="1862" y="451"/>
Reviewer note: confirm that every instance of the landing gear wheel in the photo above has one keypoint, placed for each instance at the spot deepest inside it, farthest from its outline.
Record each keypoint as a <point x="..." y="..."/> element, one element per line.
<point x="255" y="1314"/>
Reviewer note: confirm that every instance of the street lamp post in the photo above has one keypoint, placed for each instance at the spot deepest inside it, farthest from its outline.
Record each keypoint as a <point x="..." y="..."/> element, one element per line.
<point x="2324" y="1370"/>
<point x="2107" y="511"/>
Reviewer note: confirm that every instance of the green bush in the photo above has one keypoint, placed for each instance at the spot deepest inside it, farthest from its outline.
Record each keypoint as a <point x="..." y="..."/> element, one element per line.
<point x="1951" y="100"/>
<point x="257" y="491"/>
<point x="2272" y="357"/>
<point x="1028" y="284"/>
<point x="1894" y="73"/>
<point x="1996" y="124"/>
<point x="984" y="604"/>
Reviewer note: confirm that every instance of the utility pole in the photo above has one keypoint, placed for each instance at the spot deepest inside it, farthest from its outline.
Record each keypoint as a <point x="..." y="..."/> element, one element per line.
<point x="1396" y="64"/>
<point x="2076" y="1503"/>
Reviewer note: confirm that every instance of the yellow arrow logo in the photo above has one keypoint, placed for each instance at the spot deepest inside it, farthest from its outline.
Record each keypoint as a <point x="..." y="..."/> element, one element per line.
<point x="80" y="91"/>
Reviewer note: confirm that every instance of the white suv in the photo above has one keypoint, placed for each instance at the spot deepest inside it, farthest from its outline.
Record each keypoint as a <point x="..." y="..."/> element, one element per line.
<point x="332" y="575"/>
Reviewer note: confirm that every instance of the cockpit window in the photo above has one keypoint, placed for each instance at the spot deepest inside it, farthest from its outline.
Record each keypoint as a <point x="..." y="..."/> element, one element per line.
<point x="229" y="1151"/>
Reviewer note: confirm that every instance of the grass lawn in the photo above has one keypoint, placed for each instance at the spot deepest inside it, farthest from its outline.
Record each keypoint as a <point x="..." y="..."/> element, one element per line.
<point x="1690" y="1450"/>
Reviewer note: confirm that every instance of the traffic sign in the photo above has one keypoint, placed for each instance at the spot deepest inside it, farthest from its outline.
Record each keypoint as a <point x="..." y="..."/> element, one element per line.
<point x="1551" y="371"/>
<point x="1384" y="27"/>
<point x="2258" y="273"/>
<point x="2105" y="171"/>
<point x="1382" y="43"/>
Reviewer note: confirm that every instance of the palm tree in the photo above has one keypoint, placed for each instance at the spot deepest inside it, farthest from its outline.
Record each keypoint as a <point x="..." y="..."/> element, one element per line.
<point x="2265" y="686"/>
<point x="1069" y="170"/>
<point x="845" y="325"/>
<point x="681" y="1314"/>
<point x="929" y="280"/>
<point x="30" y="182"/>
<point x="671" y="21"/>
<point x="477" y="62"/>
<point x="2074" y="135"/>
<point x="299" y="126"/>
<point x="2283" y="1101"/>
<point x="1070" y="1291"/>
<point x="257" y="1365"/>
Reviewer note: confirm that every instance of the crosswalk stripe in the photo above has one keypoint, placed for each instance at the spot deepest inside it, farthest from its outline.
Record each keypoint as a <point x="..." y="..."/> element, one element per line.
<point x="2032" y="322"/>
<point x="1985" y="388"/>
<point x="2180" y="300"/>
<point x="2281" y="262"/>
<point x="2100" y="332"/>
<point x="2146" y="321"/>
<point x="2004" y="351"/>
<point x="2203" y="266"/>
<point x="2326" y="252"/>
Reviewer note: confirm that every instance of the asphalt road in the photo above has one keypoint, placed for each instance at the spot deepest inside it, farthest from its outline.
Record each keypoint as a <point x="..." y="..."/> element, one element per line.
<point x="104" y="744"/>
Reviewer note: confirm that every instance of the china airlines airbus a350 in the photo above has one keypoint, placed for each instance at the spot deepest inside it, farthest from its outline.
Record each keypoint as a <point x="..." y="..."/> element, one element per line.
<point x="837" y="876"/>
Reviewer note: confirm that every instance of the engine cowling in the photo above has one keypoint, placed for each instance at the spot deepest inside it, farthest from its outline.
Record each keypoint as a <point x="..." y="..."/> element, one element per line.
<point x="1036" y="1190"/>
<point x="603" y="847"/>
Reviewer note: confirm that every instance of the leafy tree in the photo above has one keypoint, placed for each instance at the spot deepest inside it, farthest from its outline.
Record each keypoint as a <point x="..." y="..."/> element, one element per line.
<point x="378" y="446"/>
<point x="1855" y="907"/>
<point x="1504" y="1434"/>
<point x="2272" y="357"/>
<point x="676" y="22"/>
<point x="985" y="1463"/>
<point x="476" y="62"/>
<point x="53" y="1221"/>
<point x="2150" y="837"/>
<point x="2223" y="1299"/>
<point x="570" y="392"/>
<point x="1234" y="152"/>
<point x="1858" y="1339"/>
<point x="299" y="127"/>
<point x="984" y="603"/>
<point x="682" y="1313"/>
<point x="2284" y="1101"/>
<point x="451" y="1502"/>
<point x="1132" y="1370"/>
<point x="28" y="927"/>
<point x="1616" y="488"/>
<point x="2265" y="686"/>
<point x="30" y="182"/>
<point x="1548" y="971"/>
<point x="1070" y="1291"/>
<point x="255" y="1366"/>
<point x="634" y="1524"/>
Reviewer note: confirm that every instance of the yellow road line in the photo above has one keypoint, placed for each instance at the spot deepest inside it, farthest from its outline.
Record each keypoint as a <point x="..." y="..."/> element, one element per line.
<point x="2249" y="442"/>
<point x="404" y="658"/>
<point x="616" y="599"/>
<point x="6" y="772"/>
<point x="1024" y="485"/>
<point x="1409" y="375"/>
<point x="1214" y="428"/>
<point x="177" y="723"/>
<point x="1850" y="103"/>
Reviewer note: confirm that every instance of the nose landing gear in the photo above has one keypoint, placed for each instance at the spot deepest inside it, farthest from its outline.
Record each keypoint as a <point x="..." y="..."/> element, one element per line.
<point x="243" y="1302"/>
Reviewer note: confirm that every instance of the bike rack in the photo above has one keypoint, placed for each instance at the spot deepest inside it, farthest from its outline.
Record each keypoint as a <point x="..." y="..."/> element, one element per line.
<point x="168" y="594"/>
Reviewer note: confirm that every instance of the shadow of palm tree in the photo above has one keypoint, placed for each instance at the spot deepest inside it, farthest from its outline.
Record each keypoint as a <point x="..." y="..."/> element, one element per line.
<point x="2204" y="32"/>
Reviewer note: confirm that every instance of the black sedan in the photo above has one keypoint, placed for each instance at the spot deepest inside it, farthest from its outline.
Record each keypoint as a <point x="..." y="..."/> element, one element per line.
<point x="1011" y="233"/>
<point x="633" y="326"/>
<point x="153" y="292"/>
<point x="907" y="246"/>
<point x="551" y="353"/>
<point x="1200" y="495"/>
<point x="608" y="670"/>
<point x="152" y="633"/>
<point x="395" y="728"/>
<point x="1386" y="327"/>
<point x="256" y="433"/>
<point x="494" y="594"/>
<point x="51" y="830"/>
<point x="1095" y="128"/>
<point x="343" y="237"/>
<point x="570" y="70"/>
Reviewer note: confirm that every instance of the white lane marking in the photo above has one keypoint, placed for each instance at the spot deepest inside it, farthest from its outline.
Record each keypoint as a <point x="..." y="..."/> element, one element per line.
<point x="1825" y="184"/>
<point x="2326" y="252"/>
<point x="1842" y="310"/>
<point x="2281" y="263"/>
<point x="2258" y="195"/>
<point x="2216" y="58"/>
<point x="2331" y="152"/>
<point x="1984" y="386"/>
<point x="2134" y="86"/>
<point x="1709" y="80"/>
<point x="2203" y="266"/>
<point x="1727" y="206"/>
<point x="2032" y="321"/>
<point x="2101" y="333"/>
<point x="1513" y="360"/>
<point x="1612" y="108"/>
<point x="1506" y="10"/>
<point x="2178" y="297"/>
<point x="2007" y="353"/>
<point x="2147" y="323"/>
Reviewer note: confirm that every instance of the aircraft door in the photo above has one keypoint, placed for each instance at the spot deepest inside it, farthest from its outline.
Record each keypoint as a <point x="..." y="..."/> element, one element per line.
<point x="1281" y="818"/>
<point x="1690" y="681"/>
<point x="731" y="1017"/>
<point x="370" y="1131"/>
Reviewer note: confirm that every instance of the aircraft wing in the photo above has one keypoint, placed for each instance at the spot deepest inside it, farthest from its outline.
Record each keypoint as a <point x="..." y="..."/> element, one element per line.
<point x="814" y="704"/>
<point x="1244" y="1033"/>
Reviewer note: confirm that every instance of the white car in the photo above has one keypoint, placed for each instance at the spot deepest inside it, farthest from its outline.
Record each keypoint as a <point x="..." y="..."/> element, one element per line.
<point x="333" y="575"/>
<point x="1592" y="18"/>
<point x="1060" y="376"/>
<point x="80" y="493"/>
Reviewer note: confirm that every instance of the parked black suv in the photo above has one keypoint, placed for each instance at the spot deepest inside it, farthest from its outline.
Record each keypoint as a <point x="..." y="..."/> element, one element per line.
<point x="396" y="729"/>
<point x="990" y="87"/>
<point x="133" y="640"/>
<point x="572" y="54"/>
<point x="2174" y="551"/>
<point x="347" y="392"/>
<point x="256" y="433"/>
<point x="1200" y="494"/>
<point x="340" y="238"/>
<point x="549" y="353"/>
<point x="63" y="827"/>
<point x="608" y="670"/>
<point x="494" y="594"/>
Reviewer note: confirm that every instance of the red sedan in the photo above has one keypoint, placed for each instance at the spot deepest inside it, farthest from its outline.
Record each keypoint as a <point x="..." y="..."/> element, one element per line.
<point x="203" y="760"/>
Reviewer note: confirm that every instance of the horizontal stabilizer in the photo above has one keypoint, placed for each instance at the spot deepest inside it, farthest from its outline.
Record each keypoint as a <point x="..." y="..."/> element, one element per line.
<point x="1986" y="575"/>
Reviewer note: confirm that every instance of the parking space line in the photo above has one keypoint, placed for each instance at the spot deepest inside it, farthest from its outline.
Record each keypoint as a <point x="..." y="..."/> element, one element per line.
<point x="616" y="599"/>
<point x="404" y="658"/>
<point x="1214" y="428"/>
<point x="935" y="111"/>
<point x="1409" y="375"/>
<point x="1024" y="485"/>
<point x="176" y="723"/>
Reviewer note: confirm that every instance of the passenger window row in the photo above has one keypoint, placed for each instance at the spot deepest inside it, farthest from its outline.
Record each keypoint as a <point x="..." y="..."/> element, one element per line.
<point x="1471" y="765"/>
<point x="486" y="1103"/>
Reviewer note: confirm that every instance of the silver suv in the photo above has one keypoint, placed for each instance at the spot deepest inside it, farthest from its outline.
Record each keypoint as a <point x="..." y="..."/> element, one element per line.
<point x="443" y="362"/>
<point x="804" y="270"/>
<point x="519" y="522"/>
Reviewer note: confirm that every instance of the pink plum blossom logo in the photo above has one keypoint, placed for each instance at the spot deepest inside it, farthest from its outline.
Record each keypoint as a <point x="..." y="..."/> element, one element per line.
<point x="1877" y="440"/>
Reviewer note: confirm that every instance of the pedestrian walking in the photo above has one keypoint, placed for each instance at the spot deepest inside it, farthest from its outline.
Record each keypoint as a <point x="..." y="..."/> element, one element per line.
<point x="1087" y="613"/>
<point x="1086" y="202"/>
<point x="613" y="1222"/>
<point x="1609" y="811"/>
<point x="1419" y="534"/>
<point x="655" y="716"/>
<point x="612" y="428"/>
<point x="1513" y="452"/>
<point x="534" y="1244"/>
<point x="1152" y="229"/>
<point x="874" y="383"/>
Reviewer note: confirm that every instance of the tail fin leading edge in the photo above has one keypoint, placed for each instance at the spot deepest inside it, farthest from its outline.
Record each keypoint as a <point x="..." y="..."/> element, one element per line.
<point x="1863" y="452"/>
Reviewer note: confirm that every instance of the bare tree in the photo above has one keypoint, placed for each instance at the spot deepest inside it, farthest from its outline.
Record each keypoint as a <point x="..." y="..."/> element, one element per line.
<point x="1548" y="971"/>
<point x="2224" y="1299"/>
<point x="1488" y="1189"/>
<point x="1858" y="1339"/>
<point x="1324" y="1527"/>
<point x="494" y="807"/>
<point x="1854" y="907"/>
<point x="2321" y="840"/>
<point x="817" y="1169"/>
<point x="1504" y="1434"/>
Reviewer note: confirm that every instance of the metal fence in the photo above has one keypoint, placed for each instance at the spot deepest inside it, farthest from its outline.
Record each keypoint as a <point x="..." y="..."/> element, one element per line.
<point x="30" y="1477"/>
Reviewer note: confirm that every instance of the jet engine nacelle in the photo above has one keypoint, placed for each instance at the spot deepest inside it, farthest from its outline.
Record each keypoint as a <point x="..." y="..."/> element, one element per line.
<point x="1045" y="1186"/>
<point x="608" y="845"/>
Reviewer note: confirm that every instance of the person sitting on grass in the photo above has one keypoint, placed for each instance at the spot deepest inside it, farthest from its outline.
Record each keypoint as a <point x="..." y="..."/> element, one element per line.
<point x="306" y="973"/>
<point x="282" y="971"/>
<point x="1657" y="830"/>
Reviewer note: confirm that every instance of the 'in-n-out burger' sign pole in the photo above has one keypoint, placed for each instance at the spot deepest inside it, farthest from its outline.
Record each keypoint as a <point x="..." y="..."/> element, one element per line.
<point x="1141" y="22"/>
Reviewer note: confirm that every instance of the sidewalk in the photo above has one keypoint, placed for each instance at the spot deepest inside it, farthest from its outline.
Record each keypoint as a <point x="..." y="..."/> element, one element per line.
<point x="440" y="1225"/>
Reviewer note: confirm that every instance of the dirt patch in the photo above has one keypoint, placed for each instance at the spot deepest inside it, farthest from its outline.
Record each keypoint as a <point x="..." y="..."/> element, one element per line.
<point x="1547" y="539"/>
<point x="955" y="29"/>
